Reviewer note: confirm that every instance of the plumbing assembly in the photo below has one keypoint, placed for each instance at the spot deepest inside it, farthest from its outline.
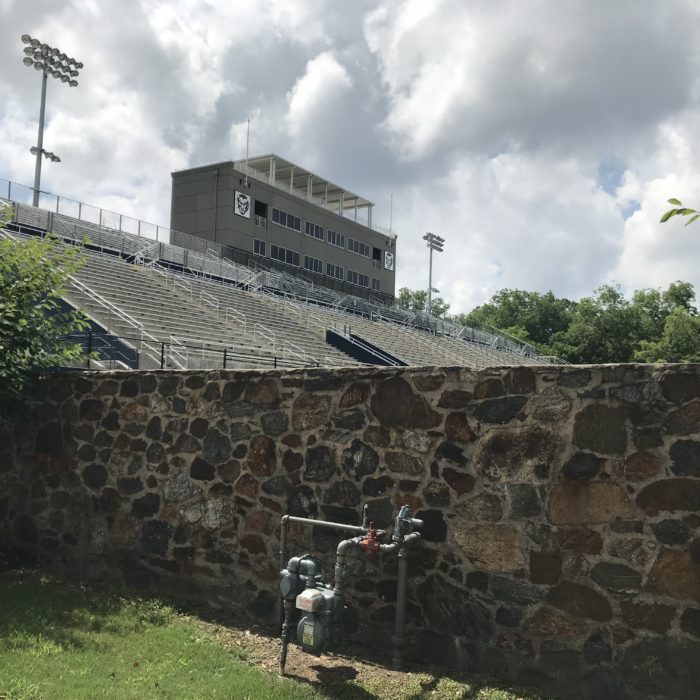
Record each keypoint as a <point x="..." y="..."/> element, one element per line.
<point x="303" y="587"/>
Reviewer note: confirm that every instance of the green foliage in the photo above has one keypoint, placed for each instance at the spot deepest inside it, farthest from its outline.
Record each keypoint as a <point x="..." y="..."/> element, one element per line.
<point x="412" y="300"/>
<point x="679" y="342"/>
<point x="440" y="307"/>
<point x="603" y="328"/>
<point x="532" y="317"/>
<point x="417" y="300"/>
<point x="653" y="326"/>
<point x="33" y="276"/>
<point x="680" y="210"/>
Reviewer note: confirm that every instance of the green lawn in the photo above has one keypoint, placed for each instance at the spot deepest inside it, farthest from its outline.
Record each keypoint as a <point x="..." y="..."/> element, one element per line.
<point x="61" y="642"/>
<point x="58" y="642"/>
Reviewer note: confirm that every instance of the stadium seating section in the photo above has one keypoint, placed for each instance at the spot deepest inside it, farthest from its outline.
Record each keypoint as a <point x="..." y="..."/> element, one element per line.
<point x="176" y="307"/>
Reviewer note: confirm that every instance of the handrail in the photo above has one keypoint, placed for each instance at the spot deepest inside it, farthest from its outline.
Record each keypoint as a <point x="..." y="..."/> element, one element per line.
<point x="140" y="256"/>
<point x="435" y="347"/>
<point x="175" y="353"/>
<point x="375" y="350"/>
<point x="210" y="299"/>
<point x="259" y="329"/>
<point x="238" y="316"/>
<point x="290" y="348"/>
<point x="187" y="286"/>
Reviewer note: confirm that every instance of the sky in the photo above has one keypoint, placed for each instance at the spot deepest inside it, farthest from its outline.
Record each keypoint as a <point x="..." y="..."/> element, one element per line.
<point x="539" y="138"/>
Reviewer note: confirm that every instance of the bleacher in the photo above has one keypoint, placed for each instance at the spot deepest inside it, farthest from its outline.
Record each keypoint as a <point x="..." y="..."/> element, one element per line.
<point x="187" y="308"/>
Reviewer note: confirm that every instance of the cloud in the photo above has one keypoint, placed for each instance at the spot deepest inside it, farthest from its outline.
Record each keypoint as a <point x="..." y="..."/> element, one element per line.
<point x="314" y="94"/>
<point x="484" y="75"/>
<point x="513" y="220"/>
<point x="540" y="139"/>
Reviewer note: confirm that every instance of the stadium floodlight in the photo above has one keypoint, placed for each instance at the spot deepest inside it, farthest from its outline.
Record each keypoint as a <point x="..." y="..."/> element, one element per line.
<point x="51" y="62"/>
<point x="47" y="154"/>
<point x="434" y="243"/>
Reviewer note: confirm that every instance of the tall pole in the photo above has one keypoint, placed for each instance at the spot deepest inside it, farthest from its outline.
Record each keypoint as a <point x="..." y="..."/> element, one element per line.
<point x="247" y="143"/>
<point x="430" y="283"/>
<point x="434" y="242"/>
<point x="51" y="62"/>
<point x="40" y="139"/>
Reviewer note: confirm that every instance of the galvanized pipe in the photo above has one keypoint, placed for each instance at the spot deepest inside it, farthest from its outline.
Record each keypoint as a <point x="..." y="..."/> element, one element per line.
<point x="398" y="639"/>
<point x="284" y="524"/>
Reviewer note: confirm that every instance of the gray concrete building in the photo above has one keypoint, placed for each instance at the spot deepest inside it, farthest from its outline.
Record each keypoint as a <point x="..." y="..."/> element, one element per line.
<point x="270" y="212"/>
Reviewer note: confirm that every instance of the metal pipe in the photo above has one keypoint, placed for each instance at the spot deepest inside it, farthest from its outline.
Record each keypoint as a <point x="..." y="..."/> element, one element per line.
<point x="284" y="523"/>
<point x="343" y="547"/>
<point x="40" y="139"/>
<point x="288" y="607"/>
<point x="398" y="639"/>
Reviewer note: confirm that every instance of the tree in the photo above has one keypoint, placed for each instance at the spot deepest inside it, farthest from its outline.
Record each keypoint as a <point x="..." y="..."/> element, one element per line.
<point x="33" y="319"/>
<point x="604" y="328"/>
<point x="440" y="307"/>
<point x="680" y="341"/>
<point x="530" y="316"/>
<point x="680" y="210"/>
<point x="412" y="300"/>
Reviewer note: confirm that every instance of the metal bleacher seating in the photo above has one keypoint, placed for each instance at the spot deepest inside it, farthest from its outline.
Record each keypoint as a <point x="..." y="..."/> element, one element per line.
<point x="181" y="307"/>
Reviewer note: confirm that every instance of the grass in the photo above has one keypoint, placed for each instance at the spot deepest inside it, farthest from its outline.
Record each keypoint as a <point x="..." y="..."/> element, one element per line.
<point x="57" y="642"/>
<point x="63" y="642"/>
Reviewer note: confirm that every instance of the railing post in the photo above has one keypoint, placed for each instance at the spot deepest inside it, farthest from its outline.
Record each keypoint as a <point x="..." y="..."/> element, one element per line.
<point x="162" y="355"/>
<point x="89" y="347"/>
<point x="274" y="359"/>
<point x="225" y="357"/>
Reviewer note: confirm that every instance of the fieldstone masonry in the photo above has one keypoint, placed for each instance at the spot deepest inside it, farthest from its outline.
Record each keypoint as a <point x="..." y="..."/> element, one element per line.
<point x="561" y="504"/>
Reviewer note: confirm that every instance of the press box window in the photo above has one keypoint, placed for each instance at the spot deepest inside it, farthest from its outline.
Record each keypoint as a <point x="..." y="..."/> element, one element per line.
<point x="358" y="278"/>
<point x="358" y="247"/>
<point x="314" y="230"/>
<point x="313" y="264"/>
<point x="290" y="257"/>
<point x="336" y="239"/>
<point x="335" y="271"/>
<point x="283" y="218"/>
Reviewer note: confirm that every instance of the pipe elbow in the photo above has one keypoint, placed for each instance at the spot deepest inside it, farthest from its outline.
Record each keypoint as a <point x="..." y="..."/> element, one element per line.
<point x="389" y="548"/>
<point x="412" y="539"/>
<point x="346" y="545"/>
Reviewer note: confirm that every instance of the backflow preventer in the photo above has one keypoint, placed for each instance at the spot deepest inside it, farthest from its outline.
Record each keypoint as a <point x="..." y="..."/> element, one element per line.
<point x="321" y="605"/>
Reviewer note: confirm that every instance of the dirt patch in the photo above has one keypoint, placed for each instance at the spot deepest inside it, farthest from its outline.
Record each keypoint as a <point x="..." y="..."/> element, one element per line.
<point x="355" y="671"/>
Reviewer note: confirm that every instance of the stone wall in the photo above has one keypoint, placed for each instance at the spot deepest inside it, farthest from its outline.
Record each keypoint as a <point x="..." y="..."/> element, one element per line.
<point x="561" y="505"/>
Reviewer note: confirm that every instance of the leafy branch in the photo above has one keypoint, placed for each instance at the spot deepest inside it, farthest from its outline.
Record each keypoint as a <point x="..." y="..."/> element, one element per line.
<point x="680" y="210"/>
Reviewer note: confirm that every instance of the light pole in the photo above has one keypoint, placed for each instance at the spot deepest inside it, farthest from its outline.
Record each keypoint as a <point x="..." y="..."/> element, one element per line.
<point x="51" y="62"/>
<point x="434" y="242"/>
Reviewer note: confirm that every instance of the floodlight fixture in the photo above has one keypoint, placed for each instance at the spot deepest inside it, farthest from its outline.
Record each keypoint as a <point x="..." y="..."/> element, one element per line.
<point x="51" y="62"/>
<point x="434" y="243"/>
<point x="47" y="154"/>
